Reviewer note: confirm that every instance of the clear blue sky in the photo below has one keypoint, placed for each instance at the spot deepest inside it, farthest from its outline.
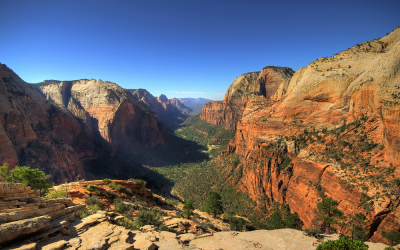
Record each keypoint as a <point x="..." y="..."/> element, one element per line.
<point x="197" y="47"/>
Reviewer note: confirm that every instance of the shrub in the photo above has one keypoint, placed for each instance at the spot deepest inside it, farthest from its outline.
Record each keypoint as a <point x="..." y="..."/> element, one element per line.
<point x="171" y="202"/>
<point x="83" y="213"/>
<point x="128" y="223"/>
<point x="55" y="194"/>
<point x="344" y="243"/>
<point x="141" y="183"/>
<point x="94" y="208"/>
<point x="151" y="217"/>
<point x="313" y="232"/>
<point x="163" y="227"/>
<point x="92" y="200"/>
<point x="112" y="185"/>
<point x="106" y="181"/>
<point x="123" y="208"/>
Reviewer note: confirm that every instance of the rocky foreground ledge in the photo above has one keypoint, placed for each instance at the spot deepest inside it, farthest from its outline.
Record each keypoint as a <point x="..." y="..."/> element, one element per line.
<point x="29" y="222"/>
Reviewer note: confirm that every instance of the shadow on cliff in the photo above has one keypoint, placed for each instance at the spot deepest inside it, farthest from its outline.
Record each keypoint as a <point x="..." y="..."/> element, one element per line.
<point x="143" y="165"/>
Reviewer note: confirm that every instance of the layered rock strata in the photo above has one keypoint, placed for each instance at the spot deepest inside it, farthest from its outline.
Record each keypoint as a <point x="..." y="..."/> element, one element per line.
<point x="23" y="213"/>
<point x="271" y="82"/>
<point x="351" y="102"/>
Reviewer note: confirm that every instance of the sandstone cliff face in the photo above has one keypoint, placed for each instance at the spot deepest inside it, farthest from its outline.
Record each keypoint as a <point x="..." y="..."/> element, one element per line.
<point x="58" y="126"/>
<point x="271" y="83"/>
<point x="31" y="133"/>
<point x="360" y="84"/>
<point x="166" y="112"/>
<point x="113" y="117"/>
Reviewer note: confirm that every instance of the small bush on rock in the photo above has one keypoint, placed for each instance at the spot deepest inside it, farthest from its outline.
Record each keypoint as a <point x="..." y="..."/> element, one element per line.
<point x="92" y="200"/>
<point x="55" y="194"/>
<point x="151" y="217"/>
<point x="123" y="208"/>
<point x="344" y="243"/>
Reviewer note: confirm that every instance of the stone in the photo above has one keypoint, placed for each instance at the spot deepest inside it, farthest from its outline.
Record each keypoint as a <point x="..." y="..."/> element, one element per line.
<point x="12" y="230"/>
<point x="23" y="246"/>
<point x="148" y="228"/>
<point x="186" y="238"/>
<point x="28" y="213"/>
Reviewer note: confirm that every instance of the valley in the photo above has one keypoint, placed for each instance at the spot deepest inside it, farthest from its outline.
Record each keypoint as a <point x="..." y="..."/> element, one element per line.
<point x="279" y="144"/>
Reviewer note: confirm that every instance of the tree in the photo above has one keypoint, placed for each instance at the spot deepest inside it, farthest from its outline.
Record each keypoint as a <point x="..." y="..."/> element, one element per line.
<point x="31" y="177"/>
<point x="275" y="220"/>
<point x="214" y="204"/>
<point x="188" y="208"/>
<point x="328" y="213"/>
<point x="392" y="236"/>
<point x="359" y="230"/>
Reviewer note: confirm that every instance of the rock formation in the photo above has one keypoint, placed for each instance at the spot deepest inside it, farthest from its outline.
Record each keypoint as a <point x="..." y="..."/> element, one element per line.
<point x="271" y="82"/>
<point x="23" y="213"/>
<point x="179" y="105"/>
<point x="354" y="95"/>
<point x="168" y="113"/>
<point x="116" y="119"/>
<point x="58" y="126"/>
<point x="36" y="133"/>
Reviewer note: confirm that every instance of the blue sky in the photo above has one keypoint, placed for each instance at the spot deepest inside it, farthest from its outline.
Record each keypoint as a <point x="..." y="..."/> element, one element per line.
<point x="185" y="48"/>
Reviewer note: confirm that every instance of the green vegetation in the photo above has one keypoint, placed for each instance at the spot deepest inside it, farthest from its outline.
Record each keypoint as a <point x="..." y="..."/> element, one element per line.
<point x="107" y="181"/>
<point x="392" y="236"/>
<point x="206" y="134"/>
<point x="94" y="204"/>
<point x="123" y="208"/>
<point x="283" y="218"/>
<point x="328" y="214"/>
<point x="55" y="194"/>
<point x="188" y="208"/>
<point x="31" y="177"/>
<point x="141" y="183"/>
<point x="151" y="217"/>
<point x="344" y="243"/>
<point x="214" y="204"/>
<point x="359" y="229"/>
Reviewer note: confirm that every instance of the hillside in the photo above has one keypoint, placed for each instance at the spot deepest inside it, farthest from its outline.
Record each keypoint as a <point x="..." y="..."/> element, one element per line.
<point x="327" y="130"/>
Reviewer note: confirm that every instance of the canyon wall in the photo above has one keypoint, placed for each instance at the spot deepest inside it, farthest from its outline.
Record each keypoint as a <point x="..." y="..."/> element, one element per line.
<point x="330" y="129"/>
<point x="58" y="126"/>
<point x="271" y="83"/>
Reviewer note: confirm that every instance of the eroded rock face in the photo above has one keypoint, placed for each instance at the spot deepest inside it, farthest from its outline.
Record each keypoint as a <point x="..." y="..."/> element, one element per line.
<point x="113" y="116"/>
<point x="31" y="133"/>
<point x="360" y="82"/>
<point x="271" y="83"/>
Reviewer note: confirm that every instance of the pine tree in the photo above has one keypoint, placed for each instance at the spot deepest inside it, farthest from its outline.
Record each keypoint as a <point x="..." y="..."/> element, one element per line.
<point x="214" y="204"/>
<point x="188" y="208"/>
<point x="328" y="213"/>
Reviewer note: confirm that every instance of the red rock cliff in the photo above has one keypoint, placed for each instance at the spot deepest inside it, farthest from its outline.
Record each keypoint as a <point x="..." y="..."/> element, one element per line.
<point x="359" y="86"/>
<point x="271" y="83"/>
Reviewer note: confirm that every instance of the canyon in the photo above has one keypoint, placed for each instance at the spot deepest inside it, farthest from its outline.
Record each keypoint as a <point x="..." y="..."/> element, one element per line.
<point x="339" y="103"/>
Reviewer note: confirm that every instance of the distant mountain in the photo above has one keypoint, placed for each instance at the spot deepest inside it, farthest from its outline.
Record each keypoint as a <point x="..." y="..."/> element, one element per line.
<point x="167" y="112"/>
<point x="196" y="104"/>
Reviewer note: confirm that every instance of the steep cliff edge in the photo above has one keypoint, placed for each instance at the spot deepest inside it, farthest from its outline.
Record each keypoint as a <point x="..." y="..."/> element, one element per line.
<point x="333" y="130"/>
<point x="36" y="133"/>
<point x="271" y="83"/>
<point x="114" y="117"/>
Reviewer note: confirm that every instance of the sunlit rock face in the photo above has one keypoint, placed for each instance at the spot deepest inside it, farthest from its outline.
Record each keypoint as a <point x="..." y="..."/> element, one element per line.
<point x="57" y="126"/>
<point x="360" y="82"/>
